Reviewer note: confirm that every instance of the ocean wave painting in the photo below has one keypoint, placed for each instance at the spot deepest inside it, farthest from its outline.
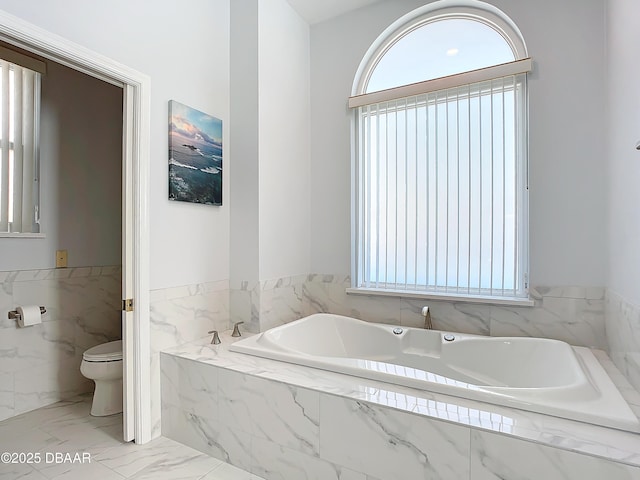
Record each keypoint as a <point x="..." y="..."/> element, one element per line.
<point x="195" y="155"/>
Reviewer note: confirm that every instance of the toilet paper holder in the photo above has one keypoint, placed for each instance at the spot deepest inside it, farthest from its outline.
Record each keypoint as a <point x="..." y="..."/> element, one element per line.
<point x="14" y="315"/>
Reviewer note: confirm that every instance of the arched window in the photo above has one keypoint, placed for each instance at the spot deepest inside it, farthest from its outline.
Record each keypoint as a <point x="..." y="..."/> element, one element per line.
<point x="440" y="194"/>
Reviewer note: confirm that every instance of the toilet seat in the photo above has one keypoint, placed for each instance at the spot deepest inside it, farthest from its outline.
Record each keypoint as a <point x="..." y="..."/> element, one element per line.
<point x="107" y="352"/>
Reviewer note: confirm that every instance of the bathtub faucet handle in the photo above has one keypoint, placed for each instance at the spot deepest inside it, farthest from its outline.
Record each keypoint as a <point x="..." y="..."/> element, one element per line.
<point x="236" y="330"/>
<point x="215" y="340"/>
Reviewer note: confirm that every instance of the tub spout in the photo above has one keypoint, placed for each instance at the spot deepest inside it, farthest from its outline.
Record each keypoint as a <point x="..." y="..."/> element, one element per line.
<point x="427" y="318"/>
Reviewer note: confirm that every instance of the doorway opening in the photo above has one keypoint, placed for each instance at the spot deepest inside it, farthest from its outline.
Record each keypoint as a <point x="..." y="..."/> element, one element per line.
<point x="135" y="217"/>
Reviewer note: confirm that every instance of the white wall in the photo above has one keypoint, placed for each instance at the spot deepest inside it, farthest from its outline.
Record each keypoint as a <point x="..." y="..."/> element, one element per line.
<point x="244" y="222"/>
<point x="567" y="196"/>
<point x="622" y="159"/>
<point x="283" y="63"/>
<point x="184" y="48"/>
<point x="81" y="165"/>
<point x="623" y="168"/>
<point x="270" y="67"/>
<point x="89" y="196"/>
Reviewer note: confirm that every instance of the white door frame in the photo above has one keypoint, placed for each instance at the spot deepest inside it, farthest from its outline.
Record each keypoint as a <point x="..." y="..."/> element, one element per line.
<point x="136" y="117"/>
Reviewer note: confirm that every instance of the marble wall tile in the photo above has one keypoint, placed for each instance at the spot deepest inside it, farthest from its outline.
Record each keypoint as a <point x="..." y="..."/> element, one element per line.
<point x="496" y="457"/>
<point x="313" y="296"/>
<point x="7" y="394"/>
<point x="280" y="305"/>
<point x="245" y="306"/>
<point x="254" y="305"/>
<point x="170" y="394"/>
<point x="575" y="321"/>
<point x="84" y="296"/>
<point x="256" y="406"/>
<point x="179" y="315"/>
<point x="276" y="462"/>
<point x="99" y="319"/>
<point x="180" y="320"/>
<point x="330" y="297"/>
<point x="241" y="310"/>
<point x="623" y="336"/>
<point x="155" y="396"/>
<point x="96" y="328"/>
<point x="267" y="304"/>
<point x="244" y="285"/>
<point x="390" y="444"/>
<point x="230" y="445"/>
<point x="588" y="293"/>
<point x="373" y="438"/>
<point x="173" y="293"/>
<point x="264" y="426"/>
<point x="329" y="278"/>
<point x="47" y="384"/>
<point x="447" y="316"/>
<point x="6" y="300"/>
<point x="572" y="314"/>
<point x="48" y="293"/>
<point x="44" y="365"/>
<point x="83" y="310"/>
<point x="31" y="347"/>
<point x="75" y="297"/>
<point x="274" y="430"/>
<point x="282" y="282"/>
<point x="191" y="386"/>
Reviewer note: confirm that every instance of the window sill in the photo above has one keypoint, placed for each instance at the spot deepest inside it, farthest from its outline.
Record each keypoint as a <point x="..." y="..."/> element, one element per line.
<point x="446" y="297"/>
<point x="21" y="235"/>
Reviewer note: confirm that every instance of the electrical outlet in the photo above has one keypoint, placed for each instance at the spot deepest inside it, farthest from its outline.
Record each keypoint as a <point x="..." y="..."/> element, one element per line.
<point x="61" y="259"/>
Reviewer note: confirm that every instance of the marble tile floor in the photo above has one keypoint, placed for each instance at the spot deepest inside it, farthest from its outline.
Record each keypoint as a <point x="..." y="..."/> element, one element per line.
<point x="65" y="442"/>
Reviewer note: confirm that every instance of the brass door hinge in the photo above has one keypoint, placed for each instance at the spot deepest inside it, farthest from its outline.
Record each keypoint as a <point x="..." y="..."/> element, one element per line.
<point x="127" y="305"/>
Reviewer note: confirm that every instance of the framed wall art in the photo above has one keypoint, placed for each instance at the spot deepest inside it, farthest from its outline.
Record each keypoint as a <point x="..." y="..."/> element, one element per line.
<point x="195" y="156"/>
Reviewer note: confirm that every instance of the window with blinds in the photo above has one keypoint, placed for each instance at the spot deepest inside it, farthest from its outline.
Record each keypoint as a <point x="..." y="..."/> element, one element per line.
<point x="440" y="195"/>
<point x="19" y="117"/>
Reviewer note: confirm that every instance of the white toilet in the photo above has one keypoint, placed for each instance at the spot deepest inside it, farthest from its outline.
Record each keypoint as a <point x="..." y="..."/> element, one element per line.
<point x="103" y="365"/>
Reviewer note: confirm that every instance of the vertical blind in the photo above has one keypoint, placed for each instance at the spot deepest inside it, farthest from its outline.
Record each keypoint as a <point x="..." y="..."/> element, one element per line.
<point x="441" y="191"/>
<point x="19" y="91"/>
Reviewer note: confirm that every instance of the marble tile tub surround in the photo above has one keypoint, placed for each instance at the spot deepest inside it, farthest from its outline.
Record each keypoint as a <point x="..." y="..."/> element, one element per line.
<point x="179" y="315"/>
<point x="269" y="303"/>
<point x="571" y="314"/>
<point x="623" y="336"/>
<point x="182" y="314"/>
<point x="283" y="421"/>
<point x="40" y="365"/>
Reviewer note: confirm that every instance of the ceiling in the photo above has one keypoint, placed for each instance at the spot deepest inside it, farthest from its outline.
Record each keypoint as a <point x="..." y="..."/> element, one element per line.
<point x="316" y="11"/>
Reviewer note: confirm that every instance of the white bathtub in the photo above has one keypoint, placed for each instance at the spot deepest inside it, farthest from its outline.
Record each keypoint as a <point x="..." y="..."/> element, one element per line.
<point x="539" y="375"/>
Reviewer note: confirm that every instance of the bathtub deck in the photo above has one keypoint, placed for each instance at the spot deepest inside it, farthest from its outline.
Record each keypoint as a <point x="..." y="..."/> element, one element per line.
<point x="456" y="417"/>
<point x="565" y="382"/>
